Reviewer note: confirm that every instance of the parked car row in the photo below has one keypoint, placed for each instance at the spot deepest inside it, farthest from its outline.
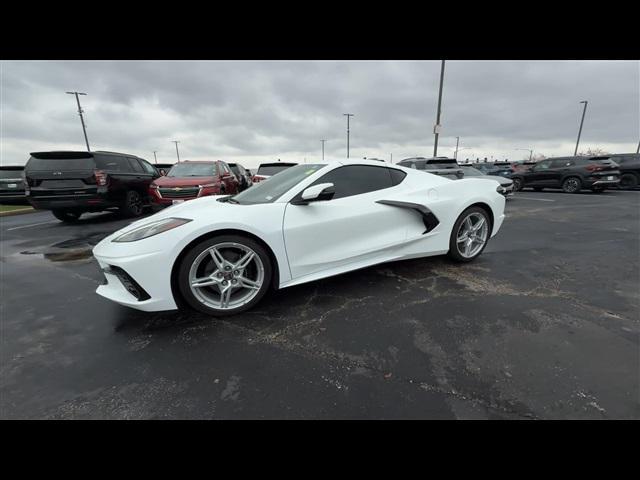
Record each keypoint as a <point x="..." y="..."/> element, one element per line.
<point x="70" y="183"/>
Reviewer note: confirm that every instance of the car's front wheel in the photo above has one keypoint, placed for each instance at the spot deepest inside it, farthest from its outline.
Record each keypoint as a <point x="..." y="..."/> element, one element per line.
<point x="628" y="180"/>
<point x="517" y="184"/>
<point x="67" y="216"/>
<point x="470" y="234"/>
<point x="225" y="275"/>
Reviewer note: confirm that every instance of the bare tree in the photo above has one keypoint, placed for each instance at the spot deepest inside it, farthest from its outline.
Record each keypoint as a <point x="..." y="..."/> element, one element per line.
<point x="594" y="152"/>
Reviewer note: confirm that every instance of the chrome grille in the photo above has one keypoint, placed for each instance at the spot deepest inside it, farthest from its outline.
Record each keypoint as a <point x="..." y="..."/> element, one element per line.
<point x="181" y="192"/>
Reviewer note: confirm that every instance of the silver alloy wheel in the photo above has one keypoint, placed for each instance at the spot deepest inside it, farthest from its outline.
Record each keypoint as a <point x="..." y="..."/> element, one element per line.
<point x="472" y="234"/>
<point x="226" y="276"/>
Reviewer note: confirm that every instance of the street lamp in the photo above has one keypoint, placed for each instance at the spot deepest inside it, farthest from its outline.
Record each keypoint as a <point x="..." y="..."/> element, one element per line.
<point x="527" y="150"/>
<point x="348" y="115"/>
<point x="436" y="127"/>
<point x="581" y="122"/>
<point x="154" y="156"/>
<point x="84" y="128"/>
<point x="177" y="153"/>
<point x="323" y="149"/>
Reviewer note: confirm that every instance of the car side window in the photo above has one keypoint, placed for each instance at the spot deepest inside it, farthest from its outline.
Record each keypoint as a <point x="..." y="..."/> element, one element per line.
<point x="357" y="179"/>
<point x="134" y="165"/>
<point x="561" y="162"/>
<point x="148" y="167"/>
<point x="112" y="163"/>
<point x="544" y="165"/>
<point x="397" y="176"/>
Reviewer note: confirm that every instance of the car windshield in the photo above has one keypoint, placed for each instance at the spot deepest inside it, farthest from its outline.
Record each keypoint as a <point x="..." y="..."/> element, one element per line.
<point x="272" y="169"/>
<point x="192" y="170"/>
<point x="270" y="190"/>
<point x="472" y="172"/>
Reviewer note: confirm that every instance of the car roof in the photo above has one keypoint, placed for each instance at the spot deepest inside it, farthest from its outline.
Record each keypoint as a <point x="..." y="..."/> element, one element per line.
<point x="76" y="154"/>
<point x="273" y="164"/>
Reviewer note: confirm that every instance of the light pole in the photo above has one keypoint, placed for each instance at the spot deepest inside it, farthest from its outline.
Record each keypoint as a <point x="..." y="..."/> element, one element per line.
<point x="455" y="155"/>
<point x="581" y="122"/>
<point x="177" y="153"/>
<point x="527" y="150"/>
<point x="323" y="149"/>
<point x="638" y="149"/>
<point x="391" y="161"/>
<point x="348" y="115"/>
<point x="154" y="156"/>
<point x="436" y="128"/>
<point x="84" y="128"/>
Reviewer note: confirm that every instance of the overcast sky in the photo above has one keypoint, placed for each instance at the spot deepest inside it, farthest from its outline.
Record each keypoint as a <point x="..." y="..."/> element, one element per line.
<point x="258" y="111"/>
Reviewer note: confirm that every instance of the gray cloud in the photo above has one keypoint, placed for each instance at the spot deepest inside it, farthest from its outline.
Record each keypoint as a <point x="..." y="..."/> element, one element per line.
<point x="252" y="111"/>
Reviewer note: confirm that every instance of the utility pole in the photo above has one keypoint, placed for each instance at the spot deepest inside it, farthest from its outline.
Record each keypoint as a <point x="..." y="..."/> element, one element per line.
<point x="457" y="143"/>
<point x="348" y="115"/>
<point x="638" y="149"/>
<point x="391" y="158"/>
<point x="154" y="156"/>
<point x="323" y="149"/>
<point x="177" y="153"/>
<point x="436" y="128"/>
<point x="581" y="122"/>
<point x="84" y="128"/>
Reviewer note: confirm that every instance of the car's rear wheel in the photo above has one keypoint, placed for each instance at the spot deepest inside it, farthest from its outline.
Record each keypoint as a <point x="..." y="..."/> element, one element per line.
<point x="517" y="184"/>
<point x="571" y="185"/>
<point x="470" y="234"/>
<point x="628" y="180"/>
<point x="225" y="275"/>
<point x="132" y="206"/>
<point x="67" y="216"/>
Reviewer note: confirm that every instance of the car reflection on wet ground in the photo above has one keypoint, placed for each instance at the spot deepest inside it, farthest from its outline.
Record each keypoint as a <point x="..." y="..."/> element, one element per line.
<point x="543" y="325"/>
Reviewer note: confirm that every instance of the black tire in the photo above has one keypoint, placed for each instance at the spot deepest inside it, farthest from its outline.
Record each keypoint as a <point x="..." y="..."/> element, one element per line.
<point x="67" y="216"/>
<point x="132" y="206"/>
<point x="628" y="180"/>
<point x="454" y="254"/>
<point x="197" y="250"/>
<point x="538" y="189"/>
<point x="571" y="185"/>
<point x="517" y="184"/>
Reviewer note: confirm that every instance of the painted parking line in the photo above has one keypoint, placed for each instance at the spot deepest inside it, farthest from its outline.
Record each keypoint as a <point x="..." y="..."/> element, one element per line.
<point x="537" y="199"/>
<point x="31" y="225"/>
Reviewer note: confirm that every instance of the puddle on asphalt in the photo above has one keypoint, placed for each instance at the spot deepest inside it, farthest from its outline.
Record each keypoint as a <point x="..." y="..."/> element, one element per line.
<point x="68" y="250"/>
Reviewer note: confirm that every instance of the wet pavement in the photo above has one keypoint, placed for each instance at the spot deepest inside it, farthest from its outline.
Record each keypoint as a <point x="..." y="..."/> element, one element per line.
<point x="545" y="324"/>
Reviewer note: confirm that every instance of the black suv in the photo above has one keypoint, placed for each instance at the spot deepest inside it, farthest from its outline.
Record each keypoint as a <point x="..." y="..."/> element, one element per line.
<point x="569" y="173"/>
<point x="243" y="175"/>
<point x="71" y="183"/>
<point x="629" y="165"/>
<point x="446" y="167"/>
<point x="12" y="184"/>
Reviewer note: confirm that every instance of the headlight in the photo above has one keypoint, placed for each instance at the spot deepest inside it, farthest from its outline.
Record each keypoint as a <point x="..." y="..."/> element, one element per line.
<point x="151" y="229"/>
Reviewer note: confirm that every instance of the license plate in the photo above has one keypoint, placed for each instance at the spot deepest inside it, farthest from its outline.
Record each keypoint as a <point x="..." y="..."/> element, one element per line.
<point x="177" y="201"/>
<point x="12" y="185"/>
<point x="610" y="177"/>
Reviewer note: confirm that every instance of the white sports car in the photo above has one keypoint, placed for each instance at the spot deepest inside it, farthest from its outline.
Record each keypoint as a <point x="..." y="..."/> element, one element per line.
<point x="220" y="254"/>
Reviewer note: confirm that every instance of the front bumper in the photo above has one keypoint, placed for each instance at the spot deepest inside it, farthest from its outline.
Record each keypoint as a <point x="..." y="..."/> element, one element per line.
<point x="150" y="273"/>
<point x="605" y="183"/>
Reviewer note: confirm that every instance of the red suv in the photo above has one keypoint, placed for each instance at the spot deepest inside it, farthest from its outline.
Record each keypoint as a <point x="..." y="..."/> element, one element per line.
<point x="192" y="179"/>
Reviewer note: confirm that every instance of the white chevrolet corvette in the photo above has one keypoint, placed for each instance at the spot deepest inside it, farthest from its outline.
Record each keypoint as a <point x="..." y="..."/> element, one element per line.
<point x="220" y="254"/>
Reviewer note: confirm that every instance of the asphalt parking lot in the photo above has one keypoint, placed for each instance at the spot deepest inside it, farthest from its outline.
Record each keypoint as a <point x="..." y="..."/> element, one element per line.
<point x="544" y="325"/>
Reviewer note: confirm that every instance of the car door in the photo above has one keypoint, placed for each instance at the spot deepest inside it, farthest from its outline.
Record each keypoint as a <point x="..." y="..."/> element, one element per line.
<point x="349" y="228"/>
<point x="149" y="175"/>
<point x="538" y="176"/>
<point x="139" y="178"/>
<point x="228" y="178"/>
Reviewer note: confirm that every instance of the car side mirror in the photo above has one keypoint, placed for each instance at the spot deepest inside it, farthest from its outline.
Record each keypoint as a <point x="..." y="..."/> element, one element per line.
<point x="316" y="193"/>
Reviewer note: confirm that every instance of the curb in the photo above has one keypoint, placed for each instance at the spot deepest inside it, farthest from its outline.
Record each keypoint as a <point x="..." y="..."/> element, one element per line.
<point x="20" y="211"/>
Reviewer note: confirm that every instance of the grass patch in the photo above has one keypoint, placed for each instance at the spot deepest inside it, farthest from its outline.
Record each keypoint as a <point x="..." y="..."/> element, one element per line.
<point x="10" y="208"/>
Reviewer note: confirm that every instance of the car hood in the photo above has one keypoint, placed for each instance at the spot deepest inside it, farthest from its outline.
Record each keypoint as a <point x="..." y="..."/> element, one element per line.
<point x="167" y="182"/>
<point x="502" y="180"/>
